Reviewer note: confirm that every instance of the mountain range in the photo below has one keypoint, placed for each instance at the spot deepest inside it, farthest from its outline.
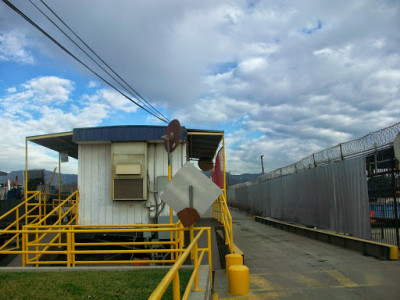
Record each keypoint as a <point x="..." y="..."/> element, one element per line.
<point x="73" y="178"/>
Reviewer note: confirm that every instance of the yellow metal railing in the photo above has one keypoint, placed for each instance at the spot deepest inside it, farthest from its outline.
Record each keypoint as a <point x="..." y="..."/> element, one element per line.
<point x="32" y="213"/>
<point x="68" y="250"/>
<point x="173" y="273"/>
<point x="35" y="212"/>
<point x="222" y="214"/>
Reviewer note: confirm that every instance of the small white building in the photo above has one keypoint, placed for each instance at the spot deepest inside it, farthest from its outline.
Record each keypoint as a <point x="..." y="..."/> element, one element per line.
<point x="122" y="169"/>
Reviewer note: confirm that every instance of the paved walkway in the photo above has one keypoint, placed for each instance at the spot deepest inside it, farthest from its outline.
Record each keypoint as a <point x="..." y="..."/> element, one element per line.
<point x="284" y="265"/>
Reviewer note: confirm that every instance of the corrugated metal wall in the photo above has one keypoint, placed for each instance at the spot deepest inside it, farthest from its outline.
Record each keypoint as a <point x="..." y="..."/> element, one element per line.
<point x="94" y="182"/>
<point x="333" y="197"/>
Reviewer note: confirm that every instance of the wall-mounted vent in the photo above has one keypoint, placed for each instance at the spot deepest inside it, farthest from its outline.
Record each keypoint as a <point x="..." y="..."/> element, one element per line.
<point x="129" y="167"/>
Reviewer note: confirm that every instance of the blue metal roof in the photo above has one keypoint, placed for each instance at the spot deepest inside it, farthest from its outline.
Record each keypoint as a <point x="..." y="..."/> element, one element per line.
<point x="121" y="133"/>
<point x="201" y="143"/>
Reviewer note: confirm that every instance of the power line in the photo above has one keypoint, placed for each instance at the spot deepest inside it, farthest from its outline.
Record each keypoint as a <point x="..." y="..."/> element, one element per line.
<point x="77" y="59"/>
<point x="87" y="46"/>
<point x="44" y="14"/>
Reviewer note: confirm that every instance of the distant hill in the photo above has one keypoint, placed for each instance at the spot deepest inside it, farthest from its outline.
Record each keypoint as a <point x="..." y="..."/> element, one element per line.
<point x="235" y="179"/>
<point x="65" y="178"/>
<point x="72" y="179"/>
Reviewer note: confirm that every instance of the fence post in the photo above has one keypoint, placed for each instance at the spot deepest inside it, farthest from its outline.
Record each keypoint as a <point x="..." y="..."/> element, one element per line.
<point x="17" y="226"/>
<point x="23" y="246"/>
<point x="209" y="254"/>
<point x="191" y="239"/>
<point x="37" y="247"/>
<point x="196" y="265"/>
<point x="176" y="287"/>
<point x="69" y="243"/>
<point x="40" y="206"/>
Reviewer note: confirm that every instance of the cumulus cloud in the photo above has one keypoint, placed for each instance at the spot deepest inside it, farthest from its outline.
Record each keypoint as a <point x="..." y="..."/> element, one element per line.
<point x="14" y="47"/>
<point x="283" y="79"/>
<point x="46" y="105"/>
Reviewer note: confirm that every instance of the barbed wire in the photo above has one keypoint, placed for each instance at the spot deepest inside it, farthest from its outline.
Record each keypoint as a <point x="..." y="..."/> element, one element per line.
<point x="370" y="142"/>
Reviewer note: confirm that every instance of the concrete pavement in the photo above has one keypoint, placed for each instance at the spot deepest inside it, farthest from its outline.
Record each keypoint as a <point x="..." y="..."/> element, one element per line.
<point x="284" y="265"/>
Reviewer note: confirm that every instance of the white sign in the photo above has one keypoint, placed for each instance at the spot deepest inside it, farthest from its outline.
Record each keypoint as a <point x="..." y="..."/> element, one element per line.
<point x="176" y="193"/>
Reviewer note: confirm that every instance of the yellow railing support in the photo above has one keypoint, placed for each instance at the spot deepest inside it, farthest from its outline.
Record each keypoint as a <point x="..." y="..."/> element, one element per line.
<point x="176" y="287"/>
<point x="165" y="282"/>
<point x="224" y="216"/>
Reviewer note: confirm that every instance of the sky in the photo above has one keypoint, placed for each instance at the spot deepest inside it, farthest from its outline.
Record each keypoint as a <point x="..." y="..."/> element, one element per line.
<point x="283" y="79"/>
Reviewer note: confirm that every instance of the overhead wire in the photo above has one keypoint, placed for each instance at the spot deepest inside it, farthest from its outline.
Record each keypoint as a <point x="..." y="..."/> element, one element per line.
<point x="90" y="57"/>
<point x="8" y="3"/>
<point x="91" y="50"/>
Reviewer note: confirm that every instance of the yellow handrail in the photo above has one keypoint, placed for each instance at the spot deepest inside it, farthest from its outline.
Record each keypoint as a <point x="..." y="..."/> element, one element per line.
<point x="18" y="218"/>
<point x="173" y="273"/>
<point x="59" y="206"/>
<point x="222" y="214"/>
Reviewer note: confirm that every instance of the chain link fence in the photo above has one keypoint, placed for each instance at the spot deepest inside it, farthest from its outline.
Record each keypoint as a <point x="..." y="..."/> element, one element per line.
<point x="371" y="142"/>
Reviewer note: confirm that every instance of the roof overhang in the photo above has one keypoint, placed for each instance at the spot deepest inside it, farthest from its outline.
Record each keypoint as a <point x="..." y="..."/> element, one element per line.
<point x="200" y="143"/>
<point x="60" y="142"/>
<point x="203" y="143"/>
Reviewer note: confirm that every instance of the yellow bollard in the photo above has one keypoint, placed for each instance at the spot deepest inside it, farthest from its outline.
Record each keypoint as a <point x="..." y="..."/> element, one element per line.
<point x="238" y="277"/>
<point x="233" y="259"/>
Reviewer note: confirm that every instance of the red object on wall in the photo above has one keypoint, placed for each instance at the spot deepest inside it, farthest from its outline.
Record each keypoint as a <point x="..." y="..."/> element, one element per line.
<point x="217" y="173"/>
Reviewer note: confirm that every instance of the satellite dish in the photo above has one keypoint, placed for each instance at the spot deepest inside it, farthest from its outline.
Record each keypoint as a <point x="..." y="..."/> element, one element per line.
<point x="172" y="135"/>
<point x="396" y="147"/>
<point x="205" y="163"/>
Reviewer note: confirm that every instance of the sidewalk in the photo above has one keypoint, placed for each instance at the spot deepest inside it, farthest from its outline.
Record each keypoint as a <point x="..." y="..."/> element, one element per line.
<point x="284" y="265"/>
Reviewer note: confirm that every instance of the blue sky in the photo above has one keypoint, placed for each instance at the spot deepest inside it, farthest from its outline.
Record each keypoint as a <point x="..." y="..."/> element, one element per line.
<point x="282" y="79"/>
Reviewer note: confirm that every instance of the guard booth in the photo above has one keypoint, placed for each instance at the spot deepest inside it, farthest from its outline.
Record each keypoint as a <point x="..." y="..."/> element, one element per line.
<point x="123" y="169"/>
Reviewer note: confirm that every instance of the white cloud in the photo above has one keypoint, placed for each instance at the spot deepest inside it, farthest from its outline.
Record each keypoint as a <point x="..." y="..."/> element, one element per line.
<point x="44" y="105"/>
<point x="300" y="76"/>
<point x="92" y="84"/>
<point x="116" y="100"/>
<point x="49" y="89"/>
<point x="13" y="47"/>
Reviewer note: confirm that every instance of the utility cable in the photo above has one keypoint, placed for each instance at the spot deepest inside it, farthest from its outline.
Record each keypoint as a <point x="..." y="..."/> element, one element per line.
<point x="77" y="59"/>
<point x="87" y="46"/>
<point x="44" y="14"/>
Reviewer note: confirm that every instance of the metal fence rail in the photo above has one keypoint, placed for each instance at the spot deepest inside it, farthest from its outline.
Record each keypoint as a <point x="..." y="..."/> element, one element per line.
<point x="368" y="143"/>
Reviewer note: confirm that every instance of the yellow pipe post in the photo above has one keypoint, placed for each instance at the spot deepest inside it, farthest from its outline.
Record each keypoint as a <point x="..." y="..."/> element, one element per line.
<point x="69" y="243"/>
<point x="59" y="176"/>
<point x="223" y="155"/>
<point x="37" y="247"/>
<point x="176" y="287"/>
<point x="196" y="265"/>
<point x="17" y="219"/>
<point x="162" y="287"/>
<point x="73" y="246"/>
<point x="171" y="219"/>
<point x="26" y="180"/>
<point x="23" y="246"/>
<point x="238" y="277"/>
<point x="233" y="259"/>
<point x="209" y="255"/>
<point x="191" y="239"/>
<point x="26" y="169"/>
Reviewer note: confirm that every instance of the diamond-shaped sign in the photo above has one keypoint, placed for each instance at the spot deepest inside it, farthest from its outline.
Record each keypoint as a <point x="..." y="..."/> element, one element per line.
<point x="190" y="188"/>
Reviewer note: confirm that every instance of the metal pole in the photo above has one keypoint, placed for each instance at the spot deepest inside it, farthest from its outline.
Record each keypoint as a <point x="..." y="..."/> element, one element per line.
<point x="396" y="216"/>
<point x="26" y="168"/>
<point x="262" y="164"/>
<point x="171" y="235"/>
<point x="223" y="154"/>
<point x="59" y="177"/>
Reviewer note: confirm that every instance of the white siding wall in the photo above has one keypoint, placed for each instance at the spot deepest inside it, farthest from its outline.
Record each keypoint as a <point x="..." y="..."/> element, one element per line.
<point x="94" y="182"/>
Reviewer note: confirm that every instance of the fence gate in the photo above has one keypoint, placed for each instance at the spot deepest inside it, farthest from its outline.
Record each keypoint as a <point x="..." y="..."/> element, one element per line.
<point x="384" y="191"/>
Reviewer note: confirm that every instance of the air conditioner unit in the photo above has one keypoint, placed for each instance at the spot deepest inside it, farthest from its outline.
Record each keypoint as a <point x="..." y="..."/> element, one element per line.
<point x="129" y="171"/>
